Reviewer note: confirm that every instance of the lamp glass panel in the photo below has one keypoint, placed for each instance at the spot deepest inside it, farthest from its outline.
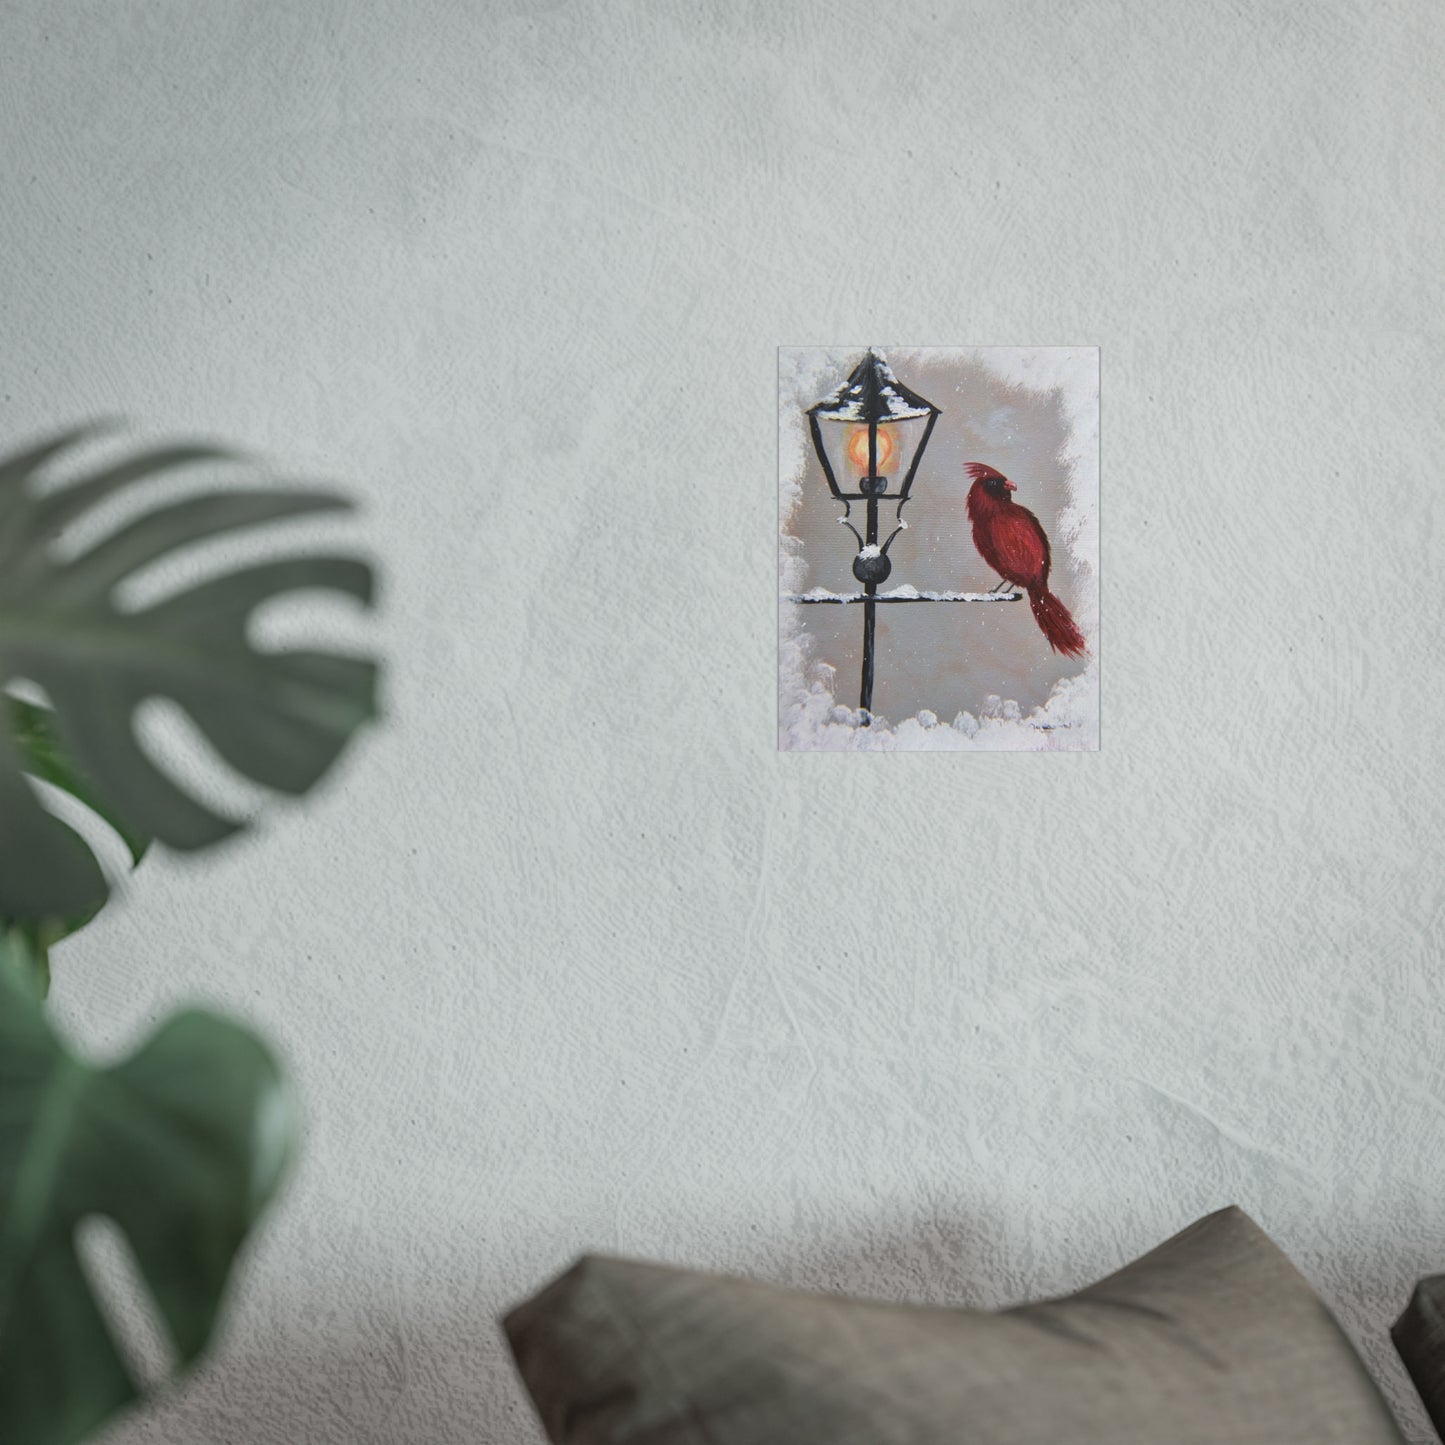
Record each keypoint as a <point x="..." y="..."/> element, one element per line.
<point x="846" y="443"/>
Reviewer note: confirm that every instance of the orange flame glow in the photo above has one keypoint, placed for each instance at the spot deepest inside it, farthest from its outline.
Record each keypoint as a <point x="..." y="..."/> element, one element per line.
<point x="858" y="448"/>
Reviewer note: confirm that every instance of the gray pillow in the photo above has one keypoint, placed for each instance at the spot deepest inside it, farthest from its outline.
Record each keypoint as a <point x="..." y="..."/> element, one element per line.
<point x="1213" y="1337"/>
<point x="1419" y="1336"/>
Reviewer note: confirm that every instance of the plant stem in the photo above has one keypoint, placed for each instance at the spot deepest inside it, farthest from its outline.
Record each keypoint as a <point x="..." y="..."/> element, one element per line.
<point x="23" y="950"/>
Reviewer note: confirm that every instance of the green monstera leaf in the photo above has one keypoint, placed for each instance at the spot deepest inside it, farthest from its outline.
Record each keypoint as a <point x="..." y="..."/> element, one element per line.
<point x="34" y="731"/>
<point x="182" y="1145"/>
<point x="279" y="717"/>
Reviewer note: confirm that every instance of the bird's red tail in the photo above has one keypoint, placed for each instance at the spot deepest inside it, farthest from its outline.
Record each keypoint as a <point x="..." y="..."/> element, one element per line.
<point x="1056" y="623"/>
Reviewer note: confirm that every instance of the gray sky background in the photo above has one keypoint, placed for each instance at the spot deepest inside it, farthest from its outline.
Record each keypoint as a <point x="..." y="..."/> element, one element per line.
<point x="947" y="657"/>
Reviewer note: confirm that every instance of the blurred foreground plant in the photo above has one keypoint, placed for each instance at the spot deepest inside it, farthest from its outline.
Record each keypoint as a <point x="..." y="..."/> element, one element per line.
<point x="183" y="1143"/>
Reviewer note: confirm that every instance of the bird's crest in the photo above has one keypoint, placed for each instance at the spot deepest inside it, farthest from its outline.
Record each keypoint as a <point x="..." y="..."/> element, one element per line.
<point x="982" y="472"/>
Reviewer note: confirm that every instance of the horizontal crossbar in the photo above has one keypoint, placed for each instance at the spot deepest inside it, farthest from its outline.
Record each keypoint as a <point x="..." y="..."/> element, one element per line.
<point x="843" y="598"/>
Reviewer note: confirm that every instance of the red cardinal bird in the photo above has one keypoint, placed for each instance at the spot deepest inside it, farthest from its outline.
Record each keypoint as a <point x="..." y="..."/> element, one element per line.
<point x="1010" y="539"/>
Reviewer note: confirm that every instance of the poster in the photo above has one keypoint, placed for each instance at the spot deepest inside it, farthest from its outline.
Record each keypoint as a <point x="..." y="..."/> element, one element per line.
<point x="939" y="549"/>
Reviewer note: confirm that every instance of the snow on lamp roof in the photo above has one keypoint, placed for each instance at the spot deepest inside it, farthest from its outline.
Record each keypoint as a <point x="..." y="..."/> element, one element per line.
<point x="872" y="393"/>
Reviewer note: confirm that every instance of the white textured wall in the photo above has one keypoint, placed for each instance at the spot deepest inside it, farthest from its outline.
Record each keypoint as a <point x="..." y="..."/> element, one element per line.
<point x="569" y="956"/>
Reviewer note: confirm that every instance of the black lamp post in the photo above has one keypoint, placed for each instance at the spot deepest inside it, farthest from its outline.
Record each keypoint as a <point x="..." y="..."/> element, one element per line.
<point x="867" y="433"/>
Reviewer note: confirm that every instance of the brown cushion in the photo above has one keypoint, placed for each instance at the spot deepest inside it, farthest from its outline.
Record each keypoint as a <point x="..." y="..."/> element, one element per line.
<point x="1419" y="1336"/>
<point x="1213" y="1337"/>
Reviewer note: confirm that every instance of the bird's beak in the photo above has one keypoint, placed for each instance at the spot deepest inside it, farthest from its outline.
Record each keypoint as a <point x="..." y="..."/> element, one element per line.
<point x="1010" y="485"/>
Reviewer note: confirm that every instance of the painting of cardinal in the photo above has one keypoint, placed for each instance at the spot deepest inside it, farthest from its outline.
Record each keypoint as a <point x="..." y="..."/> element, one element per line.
<point x="938" y="549"/>
<point x="1013" y="542"/>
